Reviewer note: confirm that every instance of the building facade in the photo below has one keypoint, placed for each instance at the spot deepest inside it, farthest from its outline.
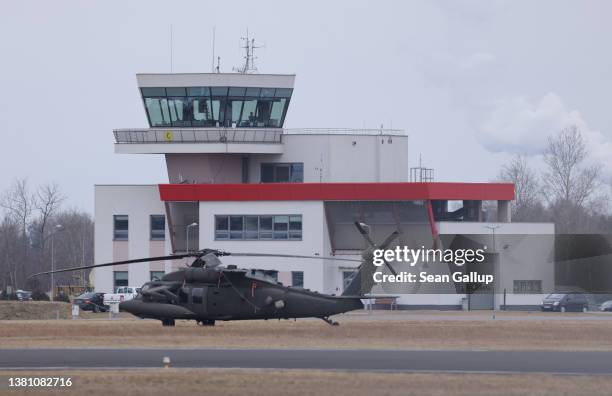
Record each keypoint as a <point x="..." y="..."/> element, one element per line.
<point x="241" y="182"/>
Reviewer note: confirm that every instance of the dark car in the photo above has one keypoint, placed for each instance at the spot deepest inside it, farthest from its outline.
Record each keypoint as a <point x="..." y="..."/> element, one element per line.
<point x="606" y="306"/>
<point x="23" y="295"/>
<point x="91" y="302"/>
<point x="565" y="303"/>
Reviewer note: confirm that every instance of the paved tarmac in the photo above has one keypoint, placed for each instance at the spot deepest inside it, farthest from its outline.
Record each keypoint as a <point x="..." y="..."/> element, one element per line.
<point x="368" y="360"/>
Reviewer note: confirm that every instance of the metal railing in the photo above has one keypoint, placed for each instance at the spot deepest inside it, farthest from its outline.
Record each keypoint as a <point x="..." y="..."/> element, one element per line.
<point x="199" y="135"/>
<point x="235" y="135"/>
<point x="345" y="131"/>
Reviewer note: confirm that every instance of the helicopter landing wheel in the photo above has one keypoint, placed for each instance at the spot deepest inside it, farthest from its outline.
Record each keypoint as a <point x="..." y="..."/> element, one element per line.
<point x="330" y="322"/>
<point x="167" y="322"/>
<point x="206" y="322"/>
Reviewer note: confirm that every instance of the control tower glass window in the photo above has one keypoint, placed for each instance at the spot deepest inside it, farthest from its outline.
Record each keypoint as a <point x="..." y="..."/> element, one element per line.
<point x="209" y="107"/>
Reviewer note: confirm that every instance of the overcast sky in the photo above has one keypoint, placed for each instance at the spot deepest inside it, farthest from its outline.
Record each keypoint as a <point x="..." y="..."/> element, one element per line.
<point x="473" y="82"/>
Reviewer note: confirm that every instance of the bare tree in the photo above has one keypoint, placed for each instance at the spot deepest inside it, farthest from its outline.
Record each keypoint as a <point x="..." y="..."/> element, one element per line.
<point x="47" y="201"/>
<point x="526" y="185"/>
<point x="18" y="203"/>
<point x="571" y="186"/>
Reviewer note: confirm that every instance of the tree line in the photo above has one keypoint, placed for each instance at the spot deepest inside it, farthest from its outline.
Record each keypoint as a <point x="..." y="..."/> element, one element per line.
<point x="35" y="229"/>
<point x="570" y="191"/>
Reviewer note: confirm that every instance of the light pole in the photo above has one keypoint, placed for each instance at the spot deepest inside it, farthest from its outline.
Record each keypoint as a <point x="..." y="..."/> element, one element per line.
<point x="194" y="224"/>
<point x="493" y="228"/>
<point x="58" y="227"/>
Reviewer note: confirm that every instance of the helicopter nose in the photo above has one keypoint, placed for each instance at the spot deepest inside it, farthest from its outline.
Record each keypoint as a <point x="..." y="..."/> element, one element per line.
<point x="128" y="306"/>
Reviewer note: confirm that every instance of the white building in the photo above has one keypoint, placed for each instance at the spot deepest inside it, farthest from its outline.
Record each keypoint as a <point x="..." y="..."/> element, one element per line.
<point x="240" y="182"/>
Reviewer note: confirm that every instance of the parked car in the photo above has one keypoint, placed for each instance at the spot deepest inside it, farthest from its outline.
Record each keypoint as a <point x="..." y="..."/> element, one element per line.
<point x="121" y="294"/>
<point x="23" y="295"/>
<point x="565" y="302"/>
<point x="91" y="302"/>
<point x="606" y="306"/>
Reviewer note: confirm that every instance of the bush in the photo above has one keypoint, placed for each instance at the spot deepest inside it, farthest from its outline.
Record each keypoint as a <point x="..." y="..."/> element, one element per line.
<point x="61" y="297"/>
<point x="38" y="295"/>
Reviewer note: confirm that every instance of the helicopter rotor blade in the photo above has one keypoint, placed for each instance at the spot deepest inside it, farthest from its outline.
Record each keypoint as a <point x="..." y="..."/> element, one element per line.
<point x="141" y="260"/>
<point x="290" y="256"/>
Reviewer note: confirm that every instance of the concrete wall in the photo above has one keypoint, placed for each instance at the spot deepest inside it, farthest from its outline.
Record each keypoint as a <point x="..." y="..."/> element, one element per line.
<point x="138" y="202"/>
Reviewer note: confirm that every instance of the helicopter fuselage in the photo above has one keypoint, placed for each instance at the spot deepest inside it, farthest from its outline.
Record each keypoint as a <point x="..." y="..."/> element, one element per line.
<point x="206" y="295"/>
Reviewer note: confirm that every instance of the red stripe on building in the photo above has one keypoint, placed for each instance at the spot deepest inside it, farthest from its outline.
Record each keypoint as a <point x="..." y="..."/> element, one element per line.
<point x="337" y="192"/>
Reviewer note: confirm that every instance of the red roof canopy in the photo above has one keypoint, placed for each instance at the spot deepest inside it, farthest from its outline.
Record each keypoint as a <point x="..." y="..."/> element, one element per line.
<point x="337" y="192"/>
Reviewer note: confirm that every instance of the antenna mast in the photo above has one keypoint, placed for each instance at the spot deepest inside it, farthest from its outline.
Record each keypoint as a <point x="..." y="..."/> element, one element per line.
<point x="249" y="59"/>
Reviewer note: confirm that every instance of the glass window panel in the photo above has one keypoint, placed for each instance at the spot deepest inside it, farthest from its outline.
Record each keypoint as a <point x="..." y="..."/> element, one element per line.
<point x="120" y="227"/>
<point x="201" y="111"/>
<point x="281" y="225"/>
<point x="236" y="227"/>
<point x="281" y="173"/>
<point x="221" y="223"/>
<point x="283" y="92"/>
<point x="267" y="92"/>
<point x="295" y="223"/>
<point x="267" y="173"/>
<point x="262" y="113"/>
<point x="216" y="112"/>
<point x="297" y="278"/>
<point x="158" y="227"/>
<point x="251" y="225"/>
<point x="174" y="91"/>
<point x="120" y="278"/>
<point x="248" y="118"/>
<point x="265" y="227"/>
<point x="179" y="111"/>
<point x="236" y="91"/>
<point x="198" y="91"/>
<point x="148" y="92"/>
<point x="197" y="294"/>
<point x="297" y="173"/>
<point x="218" y="91"/>
<point x="253" y="92"/>
<point x="158" y="111"/>
<point x="276" y="114"/>
<point x="235" y="108"/>
<point x="157" y="275"/>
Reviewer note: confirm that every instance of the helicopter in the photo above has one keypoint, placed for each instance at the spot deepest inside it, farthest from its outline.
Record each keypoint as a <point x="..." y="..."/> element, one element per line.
<point x="207" y="291"/>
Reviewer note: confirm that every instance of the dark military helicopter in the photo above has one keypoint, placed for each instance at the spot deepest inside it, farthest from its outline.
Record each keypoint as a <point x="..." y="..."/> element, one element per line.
<point x="207" y="291"/>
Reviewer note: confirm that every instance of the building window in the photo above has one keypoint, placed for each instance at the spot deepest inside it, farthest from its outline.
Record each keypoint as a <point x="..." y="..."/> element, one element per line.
<point x="265" y="227"/>
<point x="120" y="227"/>
<point x="158" y="227"/>
<point x="157" y="275"/>
<point x="527" y="286"/>
<point x="120" y="278"/>
<point x="347" y="278"/>
<point x="297" y="278"/>
<point x="282" y="173"/>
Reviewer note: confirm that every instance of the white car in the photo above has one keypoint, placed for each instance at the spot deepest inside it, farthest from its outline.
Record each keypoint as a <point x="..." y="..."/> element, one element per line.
<point x="121" y="294"/>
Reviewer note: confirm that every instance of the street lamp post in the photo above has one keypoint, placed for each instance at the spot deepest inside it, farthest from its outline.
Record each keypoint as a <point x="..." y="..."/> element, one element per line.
<point x="194" y="224"/>
<point x="493" y="228"/>
<point x="58" y="227"/>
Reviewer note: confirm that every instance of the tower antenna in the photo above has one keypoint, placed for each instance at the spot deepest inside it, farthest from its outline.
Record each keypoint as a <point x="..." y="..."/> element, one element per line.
<point x="249" y="58"/>
<point x="213" y="51"/>
<point x="170" y="48"/>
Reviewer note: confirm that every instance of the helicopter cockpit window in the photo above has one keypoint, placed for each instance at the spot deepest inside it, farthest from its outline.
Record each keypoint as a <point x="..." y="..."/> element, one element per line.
<point x="197" y="295"/>
<point x="183" y="295"/>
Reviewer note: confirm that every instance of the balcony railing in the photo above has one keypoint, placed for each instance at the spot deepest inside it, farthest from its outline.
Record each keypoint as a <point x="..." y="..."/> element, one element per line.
<point x="199" y="135"/>
<point x="235" y="135"/>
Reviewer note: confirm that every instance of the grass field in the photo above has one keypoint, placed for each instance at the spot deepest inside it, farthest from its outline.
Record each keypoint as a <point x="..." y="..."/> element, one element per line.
<point x="310" y="382"/>
<point x="357" y="332"/>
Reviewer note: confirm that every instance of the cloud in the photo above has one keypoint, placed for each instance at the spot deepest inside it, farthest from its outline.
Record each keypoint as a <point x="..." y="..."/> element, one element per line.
<point x="522" y="126"/>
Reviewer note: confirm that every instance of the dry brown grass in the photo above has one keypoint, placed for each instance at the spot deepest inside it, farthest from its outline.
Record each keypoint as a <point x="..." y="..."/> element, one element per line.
<point x="372" y="334"/>
<point x="312" y="382"/>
